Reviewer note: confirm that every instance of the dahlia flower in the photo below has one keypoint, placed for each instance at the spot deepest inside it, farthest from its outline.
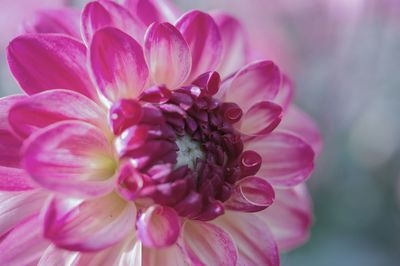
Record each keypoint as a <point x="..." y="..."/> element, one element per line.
<point x="149" y="139"/>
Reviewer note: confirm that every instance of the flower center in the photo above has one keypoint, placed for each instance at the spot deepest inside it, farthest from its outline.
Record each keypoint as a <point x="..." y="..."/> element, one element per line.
<point x="189" y="152"/>
<point x="183" y="152"/>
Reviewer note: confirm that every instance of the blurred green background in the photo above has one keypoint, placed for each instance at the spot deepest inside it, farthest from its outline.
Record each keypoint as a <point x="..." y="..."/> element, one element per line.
<point x="344" y="57"/>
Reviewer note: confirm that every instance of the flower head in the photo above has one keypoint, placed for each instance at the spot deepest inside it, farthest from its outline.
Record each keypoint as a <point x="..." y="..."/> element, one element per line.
<point x="147" y="142"/>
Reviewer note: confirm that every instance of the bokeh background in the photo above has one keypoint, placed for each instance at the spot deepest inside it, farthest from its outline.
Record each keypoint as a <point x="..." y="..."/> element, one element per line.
<point x="344" y="56"/>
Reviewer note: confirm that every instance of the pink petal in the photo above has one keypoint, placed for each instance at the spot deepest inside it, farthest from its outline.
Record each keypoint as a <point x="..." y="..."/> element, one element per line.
<point x="24" y="244"/>
<point x="208" y="244"/>
<point x="170" y="256"/>
<point x="15" y="179"/>
<point x="204" y="40"/>
<point x="254" y="241"/>
<point x="88" y="225"/>
<point x="118" y="65"/>
<point x="63" y="20"/>
<point x="57" y="256"/>
<point x="18" y="206"/>
<point x="59" y="62"/>
<point x="167" y="54"/>
<point x="251" y="194"/>
<point x="236" y="48"/>
<point x="71" y="157"/>
<point x="260" y="119"/>
<point x="40" y="111"/>
<point x="303" y="126"/>
<point x="286" y="159"/>
<point x="10" y="145"/>
<point x="158" y="227"/>
<point x="149" y="11"/>
<point x="285" y="94"/>
<point x="100" y="14"/>
<point x="126" y="252"/>
<point x="257" y="82"/>
<point x="290" y="217"/>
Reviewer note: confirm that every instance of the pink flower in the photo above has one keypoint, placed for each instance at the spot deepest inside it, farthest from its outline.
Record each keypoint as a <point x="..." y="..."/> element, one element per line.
<point x="130" y="149"/>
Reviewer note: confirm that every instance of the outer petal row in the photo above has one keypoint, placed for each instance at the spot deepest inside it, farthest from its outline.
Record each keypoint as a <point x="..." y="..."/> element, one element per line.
<point x="71" y="157"/>
<point x="59" y="62"/>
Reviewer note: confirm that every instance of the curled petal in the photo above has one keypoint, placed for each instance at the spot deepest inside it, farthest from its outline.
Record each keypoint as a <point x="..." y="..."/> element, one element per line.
<point x="123" y="114"/>
<point x="257" y="82"/>
<point x="63" y="20"/>
<point x="209" y="81"/>
<point x="158" y="227"/>
<point x="301" y="124"/>
<point x="10" y="145"/>
<point x="251" y="194"/>
<point x="204" y="40"/>
<point x="260" y="119"/>
<point x="18" y="206"/>
<point x="24" y="245"/>
<point x="117" y="64"/>
<point x="208" y="244"/>
<point x="167" y="54"/>
<point x="250" y="163"/>
<point x="149" y="11"/>
<point x="100" y="14"/>
<point x="290" y="217"/>
<point x="254" y="241"/>
<point x="40" y="110"/>
<point x="236" y="50"/>
<point x="59" y="62"/>
<point x="286" y="159"/>
<point x="88" y="225"/>
<point x="70" y="157"/>
<point x="156" y="94"/>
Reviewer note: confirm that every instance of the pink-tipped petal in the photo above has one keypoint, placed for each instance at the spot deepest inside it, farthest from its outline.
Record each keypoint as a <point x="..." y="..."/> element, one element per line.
<point x="63" y="20"/>
<point x="302" y="125"/>
<point x="170" y="256"/>
<point x="158" y="227"/>
<point x="290" y="217"/>
<point x="100" y="14"/>
<point x="89" y="225"/>
<point x="10" y="145"/>
<point x="71" y="157"/>
<point x="208" y="244"/>
<point x="251" y="194"/>
<point x="167" y="54"/>
<point x="204" y="40"/>
<point x="254" y="241"/>
<point x="286" y="159"/>
<point x="285" y="94"/>
<point x="260" y="119"/>
<point x="15" y="179"/>
<point x="149" y="11"/>
<point x="40" y="110"/>
<point x="25" y="244"/>
<point x="236" y="50"/>
<point x="257" y="82"/>
<point x="117" y="64"/>
<point x="58" y="62"/>
<point x="17" y="206"/>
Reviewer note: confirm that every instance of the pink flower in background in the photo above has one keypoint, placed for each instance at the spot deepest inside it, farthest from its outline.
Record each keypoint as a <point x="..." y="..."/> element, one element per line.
<point x="149" y="143"/>
<point x="14" y="12"/>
